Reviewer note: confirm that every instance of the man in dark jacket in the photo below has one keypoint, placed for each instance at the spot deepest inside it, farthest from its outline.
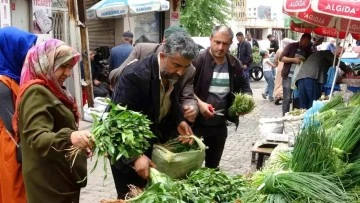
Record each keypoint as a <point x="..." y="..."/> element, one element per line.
<point x="244" y="53"/>
<point x="150" y="86"/>
<point x="274" y="44"/>
<point x="142" y="50"/>
<point x="218" y="76"/>
<point x="253" y="42"/>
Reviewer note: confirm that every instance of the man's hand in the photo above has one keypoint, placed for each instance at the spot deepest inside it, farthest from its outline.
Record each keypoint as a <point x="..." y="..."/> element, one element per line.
<point x="142" y="166"/>
<point x="189" y="113"/>
<point x="96" y="82"/>
<point x="297" y="60"/>
<point x="184" y="139"/>
<point x="184" y="129"/>
<point x="206" y="109"/>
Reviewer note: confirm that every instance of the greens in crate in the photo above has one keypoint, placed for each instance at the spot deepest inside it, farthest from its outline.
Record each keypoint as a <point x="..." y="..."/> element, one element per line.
<point x="123" y="133"/>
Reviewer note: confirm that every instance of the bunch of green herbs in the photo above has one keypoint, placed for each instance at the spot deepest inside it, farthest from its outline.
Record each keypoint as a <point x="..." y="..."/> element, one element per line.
<point x="242" y="104"/>
<point x="175" y="146"/>
<point x="123" y="133"/>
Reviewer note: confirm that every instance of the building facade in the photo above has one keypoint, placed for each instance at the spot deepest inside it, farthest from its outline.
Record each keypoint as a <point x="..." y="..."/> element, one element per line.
<point x="260" y="18"/>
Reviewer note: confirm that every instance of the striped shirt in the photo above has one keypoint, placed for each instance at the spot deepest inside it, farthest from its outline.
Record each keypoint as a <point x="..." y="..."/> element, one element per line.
<point x="218" y="91"/>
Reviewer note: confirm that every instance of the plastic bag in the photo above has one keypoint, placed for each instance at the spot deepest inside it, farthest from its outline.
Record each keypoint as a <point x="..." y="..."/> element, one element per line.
<point x="293" y="78"/>
<point x="270" y="125"/>
<point x="177" y="165"/>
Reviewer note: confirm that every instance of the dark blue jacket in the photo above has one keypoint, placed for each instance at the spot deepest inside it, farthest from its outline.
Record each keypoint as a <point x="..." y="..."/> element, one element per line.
<point x="119" y="54"/>
<point x="244" y="53"/>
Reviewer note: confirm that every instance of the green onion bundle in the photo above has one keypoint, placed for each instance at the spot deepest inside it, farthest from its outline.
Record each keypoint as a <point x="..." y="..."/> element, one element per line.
<point x="333" y="117"/>
<point x="313" y="152"/>
<point x="347" y="138"/>
<point x="312" y="187"/>
<point x="242" y="104"/>
<point x="355" y="100"/>
<point x="351" y="175"/>
<point x="333" y="103"/>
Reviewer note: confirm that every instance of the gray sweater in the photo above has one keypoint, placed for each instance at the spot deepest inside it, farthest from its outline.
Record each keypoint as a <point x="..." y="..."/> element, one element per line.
<point x="317" y="66"/>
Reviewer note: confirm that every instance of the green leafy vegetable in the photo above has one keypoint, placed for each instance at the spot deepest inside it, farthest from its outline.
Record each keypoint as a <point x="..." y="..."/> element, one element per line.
<point x="175" y="146"/>
<point x="242" y="104"/>
<point x="123" y="133"/>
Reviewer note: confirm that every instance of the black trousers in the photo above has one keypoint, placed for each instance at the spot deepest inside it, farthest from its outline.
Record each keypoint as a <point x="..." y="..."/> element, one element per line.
<point x="124" y="176"/>
<point x="214" y="138"/>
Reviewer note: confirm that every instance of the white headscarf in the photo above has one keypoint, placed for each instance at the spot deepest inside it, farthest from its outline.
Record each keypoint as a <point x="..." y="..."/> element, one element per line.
<point x="287" y="41"/>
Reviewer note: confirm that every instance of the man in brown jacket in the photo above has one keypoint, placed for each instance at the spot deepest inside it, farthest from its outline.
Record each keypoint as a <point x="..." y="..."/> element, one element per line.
<point x="142" y="50"/>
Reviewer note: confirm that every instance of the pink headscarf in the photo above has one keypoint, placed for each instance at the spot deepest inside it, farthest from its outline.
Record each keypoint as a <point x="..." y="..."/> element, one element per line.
<point x="39" y="68"/>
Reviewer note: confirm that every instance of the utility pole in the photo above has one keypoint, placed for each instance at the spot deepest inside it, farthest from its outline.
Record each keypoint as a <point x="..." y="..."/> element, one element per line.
<point x="77" y="14"/>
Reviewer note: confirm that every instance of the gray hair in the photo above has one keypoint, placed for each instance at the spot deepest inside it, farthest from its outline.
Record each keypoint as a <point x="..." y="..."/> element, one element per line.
<point x="217" y="28"/>
<point x="181" y="43"/>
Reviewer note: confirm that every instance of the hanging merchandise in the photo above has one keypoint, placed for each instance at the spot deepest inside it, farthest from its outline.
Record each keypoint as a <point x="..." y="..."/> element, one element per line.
<point x="5" y="19"/>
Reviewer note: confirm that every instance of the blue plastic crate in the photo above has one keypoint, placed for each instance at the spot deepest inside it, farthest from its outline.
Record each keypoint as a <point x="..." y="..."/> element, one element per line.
<point x="354" y="89"/>
<point x="327" y="89"/>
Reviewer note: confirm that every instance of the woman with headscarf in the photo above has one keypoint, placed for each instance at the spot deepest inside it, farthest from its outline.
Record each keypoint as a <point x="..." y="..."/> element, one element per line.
<point x="278" y="91"/>
<point x="46" y="118"/>
<point x="14" y="44"/>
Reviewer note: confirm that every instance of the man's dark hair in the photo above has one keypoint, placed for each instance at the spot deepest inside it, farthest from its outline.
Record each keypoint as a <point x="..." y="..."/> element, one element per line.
<point x="306" y="35"/>
<point x="269" y="35"/>
<point x="239" y="34"/>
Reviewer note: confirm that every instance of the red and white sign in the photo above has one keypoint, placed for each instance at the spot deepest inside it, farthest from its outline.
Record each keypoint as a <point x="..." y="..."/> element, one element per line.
<point x="5" y="15"/>
<point x="297" y="28"/>
<point x="318" y="19"/>
<point x="296" y="5"/>
<point x="175" y="16"/>
<point x="354" y="26"/>
<point x="329" y="32"/>
<point x="340" y="8"/>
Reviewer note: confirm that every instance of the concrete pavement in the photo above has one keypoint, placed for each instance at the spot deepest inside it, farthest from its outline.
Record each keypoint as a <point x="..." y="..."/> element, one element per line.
<point x="236" y="158"/>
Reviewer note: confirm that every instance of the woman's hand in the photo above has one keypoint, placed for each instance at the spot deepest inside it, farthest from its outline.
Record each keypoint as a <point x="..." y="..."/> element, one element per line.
<point x="82" y="140"/>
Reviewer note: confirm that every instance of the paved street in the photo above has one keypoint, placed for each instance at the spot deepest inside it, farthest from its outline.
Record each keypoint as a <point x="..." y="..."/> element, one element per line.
<point x="236" y="158"/>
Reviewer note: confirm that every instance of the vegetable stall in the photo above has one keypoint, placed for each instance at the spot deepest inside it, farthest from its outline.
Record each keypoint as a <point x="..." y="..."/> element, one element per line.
<point x="323" y="165"/>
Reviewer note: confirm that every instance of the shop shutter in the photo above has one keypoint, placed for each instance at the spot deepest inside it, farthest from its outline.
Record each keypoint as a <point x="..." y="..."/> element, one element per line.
<point x="101" y="32"/>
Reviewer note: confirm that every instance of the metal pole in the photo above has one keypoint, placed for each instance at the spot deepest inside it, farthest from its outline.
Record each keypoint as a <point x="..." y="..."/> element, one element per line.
<point x="338" y="64"/>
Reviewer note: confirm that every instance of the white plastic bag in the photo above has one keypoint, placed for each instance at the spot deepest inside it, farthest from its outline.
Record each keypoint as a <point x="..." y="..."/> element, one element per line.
<point x="100" y="103"/>
<point x="270" y="125"/>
